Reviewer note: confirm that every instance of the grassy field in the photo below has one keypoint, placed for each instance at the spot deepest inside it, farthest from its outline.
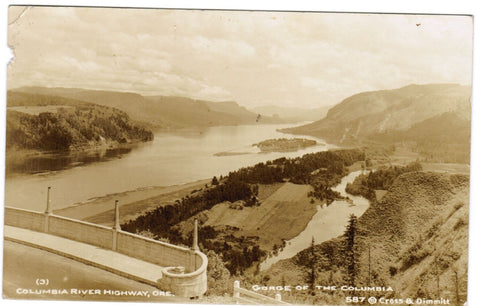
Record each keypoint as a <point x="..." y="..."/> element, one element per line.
<point x="284" y="212"/>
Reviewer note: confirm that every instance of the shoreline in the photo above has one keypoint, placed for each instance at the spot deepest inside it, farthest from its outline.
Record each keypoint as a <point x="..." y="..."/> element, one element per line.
<point x="131" y="202"/>
<point x="324" y="224"/>
<point x="108" y="145"/>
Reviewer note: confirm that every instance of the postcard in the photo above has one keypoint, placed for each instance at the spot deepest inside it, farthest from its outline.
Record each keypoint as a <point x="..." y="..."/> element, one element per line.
<point x="237" y="156"/>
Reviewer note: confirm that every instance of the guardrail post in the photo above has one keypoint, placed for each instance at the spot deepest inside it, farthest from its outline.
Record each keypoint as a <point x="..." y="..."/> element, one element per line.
<point x="236" y="286"/>
<point x="48" y="210"/>
<point x="195" y="235"/>
<point x="116" y="226"/>
<point x="278" y="297"/>
<point x="117" y="216"/>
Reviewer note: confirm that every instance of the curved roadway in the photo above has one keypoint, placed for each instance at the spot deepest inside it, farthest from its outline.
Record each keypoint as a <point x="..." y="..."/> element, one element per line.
<point x="24" y="265"/>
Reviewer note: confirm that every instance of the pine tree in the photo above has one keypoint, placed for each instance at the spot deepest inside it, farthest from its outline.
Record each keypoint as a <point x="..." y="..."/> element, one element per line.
<point x="351" y="249"/>
<point x="311" y="277"/>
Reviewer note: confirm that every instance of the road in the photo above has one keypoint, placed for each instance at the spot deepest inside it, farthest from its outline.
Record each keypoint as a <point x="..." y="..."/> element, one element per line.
<point x="25" y="266"/>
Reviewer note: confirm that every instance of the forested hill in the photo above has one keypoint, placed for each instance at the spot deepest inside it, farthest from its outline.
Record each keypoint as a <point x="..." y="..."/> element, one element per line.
<point x="161" y="112"/>
<point x="48" y="123"/>
<point x="414" y="239"/>
<point x="414" y="113"/>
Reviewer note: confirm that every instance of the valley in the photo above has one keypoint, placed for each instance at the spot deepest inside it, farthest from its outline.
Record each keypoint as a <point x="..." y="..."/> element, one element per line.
<point x="241" y="152"/>
<point x="413" y="169"/>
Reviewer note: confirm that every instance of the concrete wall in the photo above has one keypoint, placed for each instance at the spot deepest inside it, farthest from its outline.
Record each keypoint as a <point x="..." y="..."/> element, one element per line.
<point x="157" y="252"/>
<point x="191" y="283"/>
<point x="85" y="232"/>
<point x="32" y="220"/>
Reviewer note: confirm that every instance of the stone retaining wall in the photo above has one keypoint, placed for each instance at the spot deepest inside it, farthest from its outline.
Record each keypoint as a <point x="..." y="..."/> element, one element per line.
<point x="192" y="282"/>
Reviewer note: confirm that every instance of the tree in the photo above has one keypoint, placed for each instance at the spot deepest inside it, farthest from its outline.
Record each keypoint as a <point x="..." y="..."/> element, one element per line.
<point x="311" y="277"/>
<point x="214" y="181"/>
<point x="350" y="249"/>
<point x="218" y="277"/>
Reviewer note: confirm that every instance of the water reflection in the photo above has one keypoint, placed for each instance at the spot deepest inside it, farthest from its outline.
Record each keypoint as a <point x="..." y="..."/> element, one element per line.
<point x="48" y="162"/>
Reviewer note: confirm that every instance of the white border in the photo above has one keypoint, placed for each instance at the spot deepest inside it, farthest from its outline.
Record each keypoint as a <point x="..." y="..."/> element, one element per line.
<point x="464" y="7"/>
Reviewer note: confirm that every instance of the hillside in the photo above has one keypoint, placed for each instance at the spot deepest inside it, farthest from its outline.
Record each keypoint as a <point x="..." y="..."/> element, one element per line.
<point x="414" y="113"/>
<point x="51" y="123"/>
<point x="159" y="112"/>
<point x="417" y="234"/>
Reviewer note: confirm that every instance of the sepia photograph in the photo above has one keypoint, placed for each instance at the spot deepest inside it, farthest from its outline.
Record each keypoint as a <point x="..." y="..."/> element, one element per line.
<point x="233" y="156"/>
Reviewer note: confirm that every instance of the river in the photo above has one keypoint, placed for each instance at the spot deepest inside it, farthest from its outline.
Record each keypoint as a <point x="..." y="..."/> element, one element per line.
<point x="170" y="159"/>
<point x="329" y="222"/>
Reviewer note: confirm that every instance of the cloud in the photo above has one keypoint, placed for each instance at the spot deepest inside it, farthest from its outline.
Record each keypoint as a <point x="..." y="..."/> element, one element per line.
<point x="214" y="47"/>
<point x="254" y="58"/>
<point x="213" y="93"/>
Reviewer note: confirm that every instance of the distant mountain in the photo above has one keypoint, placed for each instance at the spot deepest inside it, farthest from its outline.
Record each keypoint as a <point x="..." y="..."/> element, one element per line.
<point x="160" y="111"/>
<point x="186" y="111"/>
<point x="388" y="110"/>
<point x="413" y="113"/>
<point x="293" y="114"/>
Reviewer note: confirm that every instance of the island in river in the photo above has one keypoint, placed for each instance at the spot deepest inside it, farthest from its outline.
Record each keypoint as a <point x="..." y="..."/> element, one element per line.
<point x="284" y="144"/>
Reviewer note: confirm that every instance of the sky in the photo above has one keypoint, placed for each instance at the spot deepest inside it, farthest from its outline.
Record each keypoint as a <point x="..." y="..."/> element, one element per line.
<point x="255" y="58"/>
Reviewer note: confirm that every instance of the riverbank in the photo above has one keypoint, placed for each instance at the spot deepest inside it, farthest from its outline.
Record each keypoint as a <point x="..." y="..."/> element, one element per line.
<point x="30" y="161"/>
<point x="132" y="203"/>
<point x="326" y="223"/>
<point x="169" y="159"/>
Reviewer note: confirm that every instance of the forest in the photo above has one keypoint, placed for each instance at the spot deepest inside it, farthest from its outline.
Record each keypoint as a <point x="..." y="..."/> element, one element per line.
<point x="366" y="184"/>
<point x="284" y="144"/>
<point x="70" y="128"/>
<point x="322" y="170"/>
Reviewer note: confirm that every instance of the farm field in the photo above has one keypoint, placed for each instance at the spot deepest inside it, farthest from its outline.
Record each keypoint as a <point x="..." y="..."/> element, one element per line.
<point x="282" y="215"/>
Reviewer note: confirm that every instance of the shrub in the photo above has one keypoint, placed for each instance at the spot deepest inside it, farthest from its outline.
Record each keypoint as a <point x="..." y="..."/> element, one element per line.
<point x="393" y="270"/>
<point x="461" y="222"/>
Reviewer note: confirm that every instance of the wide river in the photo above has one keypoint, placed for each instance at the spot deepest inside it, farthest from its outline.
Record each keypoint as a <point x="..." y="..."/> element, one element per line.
<point x="329" y="222"/>
<point x="170" y="159"/>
